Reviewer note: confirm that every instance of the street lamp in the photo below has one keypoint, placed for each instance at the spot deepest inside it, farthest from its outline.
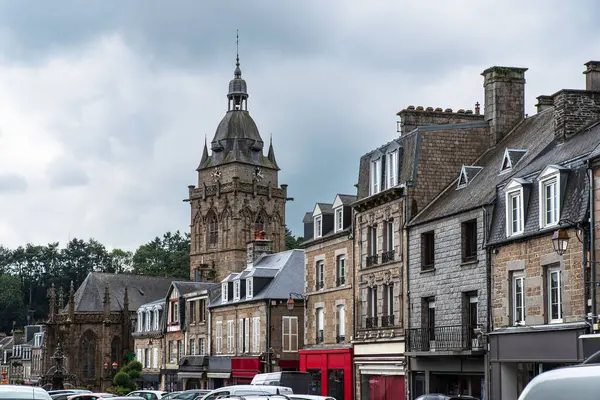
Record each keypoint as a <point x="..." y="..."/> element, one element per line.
<point x="290" y="302"/>
<point x="560" y="241"/>
<point x="115" y="365"/>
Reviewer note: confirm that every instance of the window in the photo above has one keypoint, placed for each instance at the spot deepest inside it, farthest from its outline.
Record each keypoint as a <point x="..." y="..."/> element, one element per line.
<point x="372" y="240"/>
<point x="341" y="323"/>
<point x="224" y="294"/>
<point x="340" y="270"/>
<point x="148" y="320"/>
<point x="320" y="278"/>
<point x="157" y="315"/>
<point x="155" y="357"/>
<point x="518" y="299"/>
<point x="219" y="338"/>
<point x="339" y="219"/>
<point x="241" y="349"/>
<point x="192" y="305"/>
<point x="230" y="335"/>
<point x="469" y="240"/>
<point x="290" y="334"/>
<point x="256" y="334"/>
<point x="192" y="349"/>
<point x="427" y="250"/>
<point x="140" y="321"/>
<point x="514" y="209"/>
<point x="179" y="350"/>
<point x="549" y="209"/>
<point x="247" y="335"/>
<point x="249" y="288"/>
<point x="388" y="291"/>
<point x="320" y="325"/>
<point x="318" y="226"/>
<point x="202" y="310"/>
<point x="375" y="176"/>
<point x="174" y="311"/>
<point x="259" y="224"/>
<point x="388" y="235"/>
<point x="392" y="169"/>
<point x="371" y="321"/>
<point x="213" y="229"/>
<point x="202" y="346"/>
<point x="236" y="290"/>
<point x="172" y="355"/>
<point x="555" y="295"/>
<point x="147" y="360"/>
<point x="431" y="318"/>
<point x="473" y="313"/>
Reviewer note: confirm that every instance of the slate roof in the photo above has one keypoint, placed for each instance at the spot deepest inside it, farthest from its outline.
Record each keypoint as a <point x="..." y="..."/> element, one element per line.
<point x="142" y="289"/>
<point x="186" y="287"/>
<point x="287" y="270"/>
<point x="153" y="303"/>
<point x="308" y="217"/>
<point x="347" y="199"/>
<point x="5" y="342"/>
<point x="534" y="134"/>
<point x="326" y="208"/>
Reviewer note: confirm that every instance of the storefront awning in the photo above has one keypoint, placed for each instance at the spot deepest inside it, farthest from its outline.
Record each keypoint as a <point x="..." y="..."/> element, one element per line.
<point x="190" y="375"/>
<point x="380" y="369"/>
<point x="243" y="374"/>
<point x="219" y="375"/>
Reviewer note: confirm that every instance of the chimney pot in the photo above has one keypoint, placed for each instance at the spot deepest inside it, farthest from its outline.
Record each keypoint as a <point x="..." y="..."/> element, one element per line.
<point x="410" y="107"/>
<point x="448" y="110"/>
<point x="477" y="108"/>
<point x="439" y="109"/>
<point x="592" y="75"/>
<point x="429" y="109"/>
<point x="544" y="102"/>
<point x="419" y="108"/>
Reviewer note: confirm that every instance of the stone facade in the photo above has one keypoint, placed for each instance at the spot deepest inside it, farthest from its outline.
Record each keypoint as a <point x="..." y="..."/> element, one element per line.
<point x="149" y="342"/>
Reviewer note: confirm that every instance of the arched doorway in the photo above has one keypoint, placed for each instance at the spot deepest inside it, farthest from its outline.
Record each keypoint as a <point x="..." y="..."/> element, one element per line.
<point x="87" y="355"/>
<point x="192" y="384"/>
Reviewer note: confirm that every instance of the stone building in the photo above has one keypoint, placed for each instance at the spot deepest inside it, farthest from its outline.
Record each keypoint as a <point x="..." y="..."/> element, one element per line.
<point x="252" y="329"/>
<point x="148" y="342"/>
<point x="328" y="277"/>
<point x="193" y="367"/>
<point x="6" y="349"/>
<point x="37" y="352"/>
<point x="175" y="328"/>
<point x="237" y="193"/>
<point x="447" y="268"/>
<point x="95" y="328"/>
<point x="542" y="297"/>
<point x="395" y="182"/>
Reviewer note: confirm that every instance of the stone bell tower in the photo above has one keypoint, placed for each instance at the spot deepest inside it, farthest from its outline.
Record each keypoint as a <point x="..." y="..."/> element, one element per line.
<point x="238" y="193"/>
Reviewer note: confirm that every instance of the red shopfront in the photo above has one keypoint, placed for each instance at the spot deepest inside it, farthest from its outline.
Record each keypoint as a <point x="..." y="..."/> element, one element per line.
<point x="331" y="372"/>
<point x="243" y="369"/>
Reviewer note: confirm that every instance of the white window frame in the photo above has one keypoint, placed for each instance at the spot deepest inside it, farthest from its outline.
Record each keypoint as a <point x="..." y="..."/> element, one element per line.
<point x="289" y="341"/>
<point x="202" y="346"/>
<point x="559" y="317"/>
<point x="247" y="334"/>
<point x="224" y="294"/>
<point x="240" y="336"/>
<point x="236" y="290"/>
<point x="249" y="288"/>
<point x="375" y="176"/>
<point x="140" y="324"/>
<point x="175" y="311"/>
<point x="339" y="219"/>
<point x="515" y="191"/>
<point x="515" y="278"/>
<point x="389" y="234"/>
<point x="231" y="336"/>
<point x="341" y="322"/>
<point x="192" y="345"/>
<point x="155" y="357"/>
<point x="340" y="267"/>
<point x="255" y="335"/>
<point x="147" y="312"/>
<point x="392" y="169"/>
<point x="318" y="226"/>
<point x="320" y="275"/>
<point x="550" y="178"/>
<point x="219" y="338"/>
<point x="320" y="318"/>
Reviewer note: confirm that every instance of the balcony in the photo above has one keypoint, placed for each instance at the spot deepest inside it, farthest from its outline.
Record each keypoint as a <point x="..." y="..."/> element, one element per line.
<point x="372" y="260"/>
<point x="387" y="321"/>
<point x="445" y="338"/>
<point x="340" y="339"/>
<point x="371" y="322"/>
<point x="320" y="338"/>
<point x="340" y="281"/>
<point x="387" y="256"/>
<point x="319" y="285"/>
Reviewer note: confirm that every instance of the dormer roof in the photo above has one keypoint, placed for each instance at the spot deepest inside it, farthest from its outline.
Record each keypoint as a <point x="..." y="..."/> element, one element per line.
<point x="467" y="174"/>
<point x="308" y="218"/>
<point x="343" y="200"/>
<point x="322" y="209"/>
<point x="511" y="158"/>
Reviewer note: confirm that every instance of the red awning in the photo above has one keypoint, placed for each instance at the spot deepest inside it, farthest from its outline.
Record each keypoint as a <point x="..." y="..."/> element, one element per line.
<point x="244" y="374"/>
<point x="289" y="364"/>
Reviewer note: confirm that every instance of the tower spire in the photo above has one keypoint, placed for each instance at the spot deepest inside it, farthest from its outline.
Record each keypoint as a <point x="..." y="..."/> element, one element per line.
<point x="238" y="71"/>
<point x="271" y="154"/>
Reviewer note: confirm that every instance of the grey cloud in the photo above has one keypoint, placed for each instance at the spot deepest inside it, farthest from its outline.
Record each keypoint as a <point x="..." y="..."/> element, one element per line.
<point x="12" y="183"/>
<point x="65" y="174"/>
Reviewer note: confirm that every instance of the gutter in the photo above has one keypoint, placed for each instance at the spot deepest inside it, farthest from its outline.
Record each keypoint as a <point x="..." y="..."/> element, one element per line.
<point x="488" y="273"/>
<point x="268" y="341"/>
<point x="354" y="292"/>
<point x="406" y="324"/>
<point x="592" y="247"/>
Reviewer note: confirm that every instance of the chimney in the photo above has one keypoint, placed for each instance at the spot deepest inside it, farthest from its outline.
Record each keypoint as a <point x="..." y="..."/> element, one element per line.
<point x="504" y="103"/>
<point x="592" y="75"/>
<point x="544" y="103"/>
<point x="258" y="247"/>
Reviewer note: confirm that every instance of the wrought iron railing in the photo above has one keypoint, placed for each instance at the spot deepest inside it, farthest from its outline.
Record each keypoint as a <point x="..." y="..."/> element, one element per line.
<point x="340" y="338"/>
<point x="371" y="322"/>
<point x="320" y="338"/>
<point x="387" y="256"/>
<point x="319" y="285"/>
<point x="448" y="338"/>
<point x="387" y="320"/>
<point x="372" y="260"/>
<point x="340" y="281"/>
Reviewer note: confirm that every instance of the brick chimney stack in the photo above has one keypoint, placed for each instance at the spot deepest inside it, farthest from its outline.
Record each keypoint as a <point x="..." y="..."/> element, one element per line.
<point x="504" y="99"/>
<point x="592" y="75"/>
<point x="544" y="102"/>
<point x="258" y="247"/>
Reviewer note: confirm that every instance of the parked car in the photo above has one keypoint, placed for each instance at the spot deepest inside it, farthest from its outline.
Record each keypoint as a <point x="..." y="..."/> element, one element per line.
<point x="297" y="380"/>
<point x="308" y="397"/>
<point x="439" y="396"/>
<point x="191" y="394"/>
<point x="245" y="390"/>
<point x="18" y="392"/>
<point x="148" y="394"/>
<point x="63" y="391"/>
<point x="170" y="396"/>
<point x="90" y="396"/>
<point x="123" y="398"/>
<point x="581" y="382"/>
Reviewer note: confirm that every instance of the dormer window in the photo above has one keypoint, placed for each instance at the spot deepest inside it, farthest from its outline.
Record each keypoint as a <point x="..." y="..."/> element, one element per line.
<point x="318" y="226"/>
<point x="467" y="174"/>
<point x="224" y="294"/>
<point x="339" y="219"/>
<point x="510" y="159"/>
<point x="515" y="208"/>
<point x="375" y="176"/>
<point x="236" y="290"/>
<point x="392" y="169"/>
<point x="549" y="196"/>
<point x="249" y="288"/>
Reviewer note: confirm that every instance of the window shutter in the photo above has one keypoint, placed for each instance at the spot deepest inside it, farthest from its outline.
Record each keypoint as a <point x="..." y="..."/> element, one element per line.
<point x="247" y="335"/>
<point x="155" y="358"/>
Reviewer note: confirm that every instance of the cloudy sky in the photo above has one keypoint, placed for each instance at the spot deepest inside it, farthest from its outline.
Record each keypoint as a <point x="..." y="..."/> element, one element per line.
<point x="104" y="105"/>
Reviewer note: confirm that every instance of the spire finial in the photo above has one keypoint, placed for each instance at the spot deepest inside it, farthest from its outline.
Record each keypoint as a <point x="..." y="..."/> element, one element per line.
<point x="238" y="71"/>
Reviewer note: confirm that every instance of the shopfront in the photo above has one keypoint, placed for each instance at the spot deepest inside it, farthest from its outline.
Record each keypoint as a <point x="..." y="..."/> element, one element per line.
<point x="243" y="369"/>
<point x="451" y="375"/>
<point x="192" y="372"/>
<point x="150" y="381"/>
<point x="331" y="372"/>
<point x="170" y="381"/>
<point x="219" y="372"/>
<point x="380" y="372"/>
<point x="517" y="355"/>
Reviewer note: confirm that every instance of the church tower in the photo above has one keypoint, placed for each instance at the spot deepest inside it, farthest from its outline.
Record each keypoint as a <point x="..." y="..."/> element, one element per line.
<point x="238" y="198"/>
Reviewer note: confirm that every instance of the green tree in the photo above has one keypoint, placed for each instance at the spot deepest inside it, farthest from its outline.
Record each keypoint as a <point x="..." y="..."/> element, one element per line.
<point x="124" y="380"/>
<point x="292" y="242"/>
<point x="11" y="303"/>
<point x="166" y="256"/>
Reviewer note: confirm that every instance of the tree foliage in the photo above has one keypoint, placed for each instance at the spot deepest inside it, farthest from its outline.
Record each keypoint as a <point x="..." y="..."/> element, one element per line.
<point x="291" y="241"/>
<point x="124" y="380"/>
<point x="28" y="272"/>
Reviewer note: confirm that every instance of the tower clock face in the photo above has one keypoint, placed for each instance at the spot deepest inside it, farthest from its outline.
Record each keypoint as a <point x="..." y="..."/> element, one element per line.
<point x="216" y="174"/>
<point x="258" y="173"/>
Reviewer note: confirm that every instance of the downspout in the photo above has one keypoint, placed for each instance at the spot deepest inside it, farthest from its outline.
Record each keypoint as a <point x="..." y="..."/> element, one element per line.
<point x="268" y="352"/>
<point x="406" y="323"/>
<point x="488" y="273"/>
<point x="592" y="245"/>
<point x="354" y="294"/>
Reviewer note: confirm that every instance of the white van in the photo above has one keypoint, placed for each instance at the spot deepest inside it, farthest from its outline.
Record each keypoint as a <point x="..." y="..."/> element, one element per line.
<point x="23" y="392"/>
<point x="241" y="390"/>
<point x="580" y="382"/>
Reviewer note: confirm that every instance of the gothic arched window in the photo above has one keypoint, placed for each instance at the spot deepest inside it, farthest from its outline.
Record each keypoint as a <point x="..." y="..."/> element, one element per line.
<point x="259" y="223"/>
<point x="88" y="355"/>
<point x="115" y="350"/>
<point x="213" y="229"/>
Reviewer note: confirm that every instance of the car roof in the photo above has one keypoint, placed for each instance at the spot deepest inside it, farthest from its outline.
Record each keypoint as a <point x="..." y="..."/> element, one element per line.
<point x="579" y="381"/>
